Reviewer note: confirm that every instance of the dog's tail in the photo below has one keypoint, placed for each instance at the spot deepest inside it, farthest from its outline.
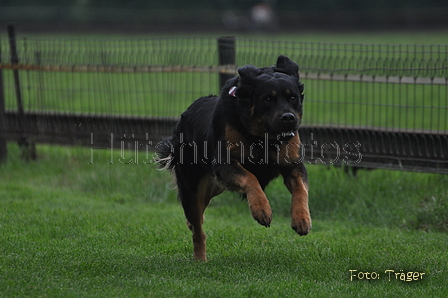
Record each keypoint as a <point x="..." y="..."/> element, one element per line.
<point x="165" y="154"/>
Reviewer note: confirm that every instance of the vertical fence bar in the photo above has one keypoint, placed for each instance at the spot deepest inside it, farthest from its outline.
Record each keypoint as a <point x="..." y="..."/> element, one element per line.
<point x="23" y="139"/>
<point x="227" y="56"/>
<point x="3" y="149"/>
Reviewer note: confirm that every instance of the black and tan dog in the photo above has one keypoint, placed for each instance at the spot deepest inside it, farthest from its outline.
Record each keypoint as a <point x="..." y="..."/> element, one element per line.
<point x="240" y="141"/>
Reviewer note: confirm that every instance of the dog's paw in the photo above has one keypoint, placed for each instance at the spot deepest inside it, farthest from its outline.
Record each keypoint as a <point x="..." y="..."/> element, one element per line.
<point x="263" y="216"/>
<point x="261" y="211"/>
<point x="260" y="208"/>
<point x="301" y="224"/>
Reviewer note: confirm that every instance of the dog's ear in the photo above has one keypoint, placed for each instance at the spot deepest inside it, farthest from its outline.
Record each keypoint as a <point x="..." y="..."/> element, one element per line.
<point x="301" y="88"/>
<point x="248" y="78"/>
<point x="249" y="73"/>
<point x="286" y="65"/>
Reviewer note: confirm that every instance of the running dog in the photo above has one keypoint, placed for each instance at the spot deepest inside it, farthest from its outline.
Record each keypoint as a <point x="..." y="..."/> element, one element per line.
<point x="241" y="141"/>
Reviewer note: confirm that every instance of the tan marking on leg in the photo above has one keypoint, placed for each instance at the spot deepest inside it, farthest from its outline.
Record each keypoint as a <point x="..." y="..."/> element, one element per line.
<point x="207" y="189"/>
<point x="247" y="183"/>
<point x="256" y="198"/>
<point x="300" y="214"/>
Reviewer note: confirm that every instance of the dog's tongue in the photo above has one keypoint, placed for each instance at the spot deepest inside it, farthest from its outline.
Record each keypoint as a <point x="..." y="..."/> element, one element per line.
<point x="285" y="135"/>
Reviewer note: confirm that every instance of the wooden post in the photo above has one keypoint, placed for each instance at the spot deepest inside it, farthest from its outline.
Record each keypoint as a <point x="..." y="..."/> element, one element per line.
<point x="227" y="56"/>
<point x="3" y="148"/>
<point x="27" y="151"/>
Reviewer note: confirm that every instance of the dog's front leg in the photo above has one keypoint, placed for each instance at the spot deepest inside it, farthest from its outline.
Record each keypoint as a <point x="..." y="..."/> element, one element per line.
<point x="297" y="184"/>
<point x="237" y="178"/>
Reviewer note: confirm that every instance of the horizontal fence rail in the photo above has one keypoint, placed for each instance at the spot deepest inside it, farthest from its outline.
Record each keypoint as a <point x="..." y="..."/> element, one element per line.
<point x="374" y="106"/>
<point x="225" y="69"/>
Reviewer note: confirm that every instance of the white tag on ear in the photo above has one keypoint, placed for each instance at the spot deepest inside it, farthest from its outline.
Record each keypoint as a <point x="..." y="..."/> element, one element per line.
<point x="232" y="91"/>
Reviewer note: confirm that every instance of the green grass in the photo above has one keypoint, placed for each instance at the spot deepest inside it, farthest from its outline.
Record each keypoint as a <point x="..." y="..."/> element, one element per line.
<point x="73" y="229"/>
<point x="327" y="102"/>
<point x="366" y="37"/>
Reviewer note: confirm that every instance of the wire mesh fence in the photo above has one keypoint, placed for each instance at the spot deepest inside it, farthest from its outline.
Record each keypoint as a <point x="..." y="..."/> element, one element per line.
<point x="349" y="88"/>
<point x="393" y="86"/>
<point x="109" y="76"/>
<point x="362" y="85"/>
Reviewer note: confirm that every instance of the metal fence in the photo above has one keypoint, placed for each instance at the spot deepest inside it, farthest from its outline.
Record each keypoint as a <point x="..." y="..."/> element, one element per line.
<point x="365" y="105"/>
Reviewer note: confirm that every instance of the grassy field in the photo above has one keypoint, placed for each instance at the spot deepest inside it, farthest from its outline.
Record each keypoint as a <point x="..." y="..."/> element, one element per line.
<point x="73" y="229"/>
<point x="366" y="37"/>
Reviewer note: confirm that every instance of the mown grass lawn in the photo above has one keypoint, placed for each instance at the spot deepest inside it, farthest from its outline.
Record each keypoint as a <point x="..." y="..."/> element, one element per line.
<point x="73" y="229"/>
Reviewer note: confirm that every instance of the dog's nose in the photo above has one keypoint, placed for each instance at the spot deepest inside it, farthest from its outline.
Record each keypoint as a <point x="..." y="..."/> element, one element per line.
<point x="288" y="118"/>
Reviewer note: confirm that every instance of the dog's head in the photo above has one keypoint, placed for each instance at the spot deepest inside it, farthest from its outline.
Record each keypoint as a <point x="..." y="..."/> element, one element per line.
<point x="270" y="99"/>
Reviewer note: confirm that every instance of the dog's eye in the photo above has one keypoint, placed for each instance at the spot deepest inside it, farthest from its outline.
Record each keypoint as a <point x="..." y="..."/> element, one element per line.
<point x="268" y="99"/>
<point x="293" y="98"/>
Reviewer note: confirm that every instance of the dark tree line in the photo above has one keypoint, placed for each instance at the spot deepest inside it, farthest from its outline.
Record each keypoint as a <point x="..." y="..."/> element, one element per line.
<point x="236" y="14"/>
<point x="317" y="5"/>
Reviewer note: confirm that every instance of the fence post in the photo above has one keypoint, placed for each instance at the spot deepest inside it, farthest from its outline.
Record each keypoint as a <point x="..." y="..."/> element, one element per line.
<point x="27" y="151"/>
<point x="3" y="148"/>
<point x="227" y="56"/>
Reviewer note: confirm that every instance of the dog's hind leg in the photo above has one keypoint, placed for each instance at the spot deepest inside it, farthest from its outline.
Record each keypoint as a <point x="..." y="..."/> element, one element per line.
<point x="194" y="214"/>
<point x="194" y="206"/>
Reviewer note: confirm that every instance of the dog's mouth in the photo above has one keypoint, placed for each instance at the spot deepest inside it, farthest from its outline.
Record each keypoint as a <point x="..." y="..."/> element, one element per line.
<point x="285" y="136"/>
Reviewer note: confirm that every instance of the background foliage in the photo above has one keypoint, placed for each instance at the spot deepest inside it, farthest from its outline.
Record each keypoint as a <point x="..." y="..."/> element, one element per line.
<point x="208" y="15"/>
